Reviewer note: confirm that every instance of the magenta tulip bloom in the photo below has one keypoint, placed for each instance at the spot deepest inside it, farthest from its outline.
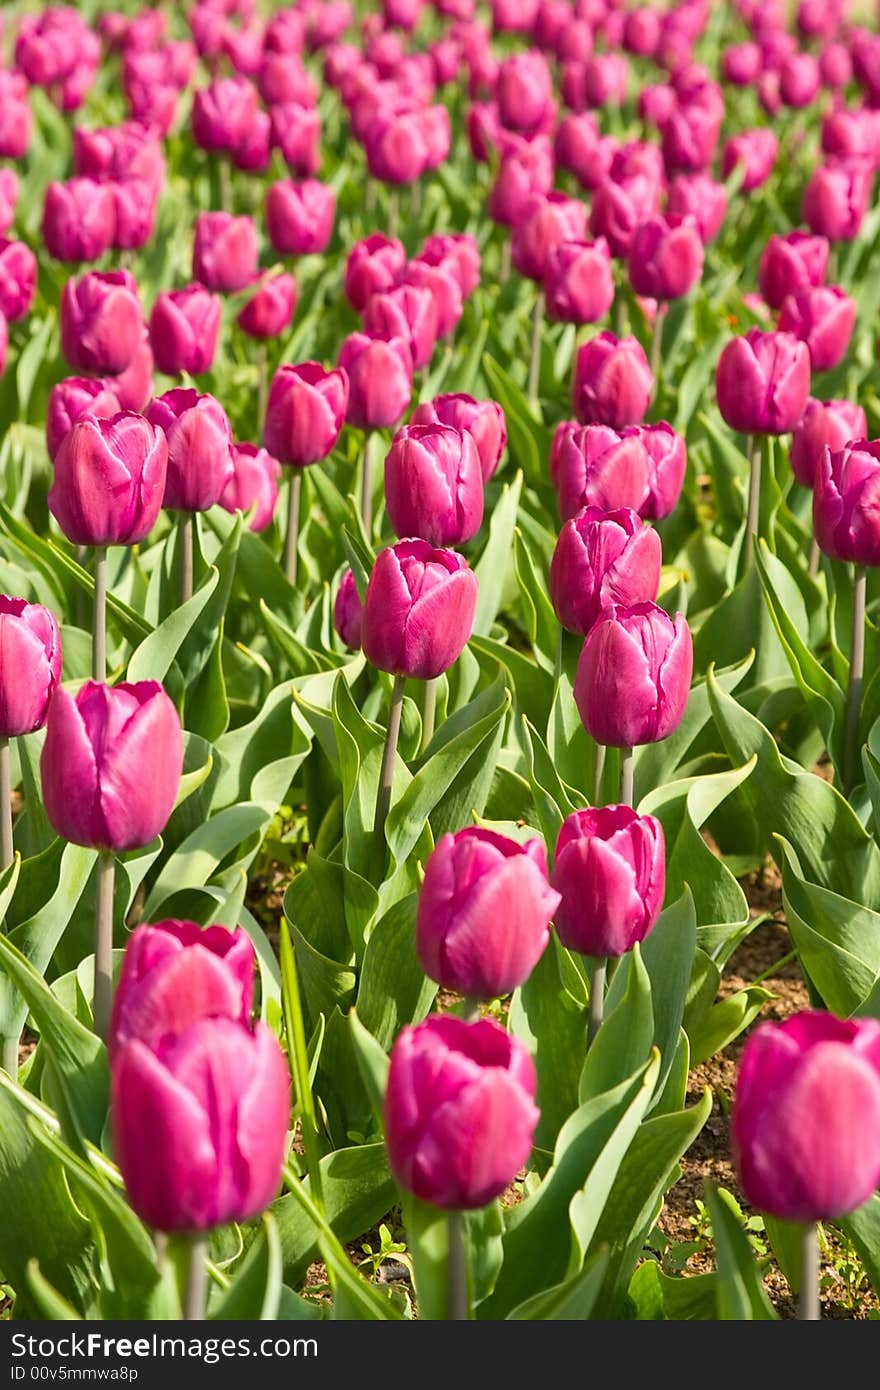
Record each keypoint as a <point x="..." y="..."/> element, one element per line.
<point x="610" y="871"/>
<point x="460" y="1111"/>
<point x="111" y="764"/>
<point x="799" y="79"/>
<point x="30" y="665"/>
<point x="434" y="484"/>
<point x="823" y="318"/>
<point x="442" y="279"/>
<point x="577" y="147"/>
<point x="762" y="382"/>
<point x="458" y="251"/>
<point x="269" y="311"/>
<point x="348" y="612"/>
<point x="837" y="198"/>
<point x="484" y="420"/>
<point x="134" y="202"/>
<point x="741" y="64"/>
<point x="296" y="131"/>
<point x="184" y="326"/>
<point x="578" y="282"/>
<point x="225" y="251"/>
<point x="666" y="257"/>
<point x="484" y="912"/>
<point x="199" y="448"/>
<point x="525" y="170"/>
<point x="176" y="973"/>
<point x="79" y="220"/>
<point x="755" y="152"/>
<point x="594" y="466"/>
<point x="254" y="484"/>
<point x="102" y="322"/>
<point x="110" y="477"/>
<point x="15" y="115"/>
<point x="634" y="675"/>
<point x="667" y="461"/>
<point x="200" y="1124"/>
<point x="8" y="197"/>
<point x="418" y="609"/>
<point x="699" y="196"/>
<point x="134" y="386"/>
<point x="408" y="311"/>
<point x="379" y="374"/>
<point x="796" y="261"/>
<point x="223" y="113"/>
<point x="613" y="383"/>
<point x="525" y="92"/>
<point x="70" y="400"/>
<point x="846" y="502"/>
<point x="395" y="147"/>
<point x="372" y="268"/>
<point x="603" y="559"/>
<point x="299" y="216"/>
<point x="824" y="425"/>
<point x="806" y="1116"/>
<point x="547" y="221"/>
<point x="305" y="412"/>
<point x="619" y="208"/>
<point x="18" y="279"/>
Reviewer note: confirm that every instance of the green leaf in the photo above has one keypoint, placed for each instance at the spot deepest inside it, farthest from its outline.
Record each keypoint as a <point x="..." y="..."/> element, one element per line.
<point x="494" y="563"/>
<point x="625" y="1038"/>
<point x="740" y="1291"/>
<point x="49" y="1302"/>
<point x="153" y="658"/>
<point x="552" y="1025"/>
<point x="863" y="1228"/>
<point x="572" y="1300"/>
<point x="193" y="863"/>
<point x="372" y="1063"/>
<point x="427" y="1238"/>
<point x="393" y="989"/>
<point x="255" y="1292"/>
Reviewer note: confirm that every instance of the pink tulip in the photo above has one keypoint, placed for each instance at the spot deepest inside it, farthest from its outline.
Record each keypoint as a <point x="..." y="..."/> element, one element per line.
<point x="699" y="196"/>
<point x="254" y="484"/>
<point x="789" y="263"/>
<point x="434" y="484"/>
<point x="348" y="612"/>
<point x="379" y="375"/>
<point x="613" y="382"/>
<point x="184" y="326"/>
<point x="18" y="279"/>
<point x="270" y="309"/>
<point x="299" y="216"/>
<point x="305" y="412"/>
<point x="594" y="466"/>
<point x="372" y="268"/>
<point x="225" y="251"/>
<point x="666" y="257"/>
<point x="836" y="199"/>
<point x="79" y="220"/>
<point x="610" y="871"/>
<point x="762" y="382"/>
<point x="102" y="322"/>
<point x="30" y="669"/>
<point x="823" y="425"/>
<point x="484" y="421"/>
<point x="418" y="610"/>
<point x="634" y="675"/>
<point x="603" y="559"/>
<point x="845" y="502"/>
<point x="199" y="448"/>
<point x="73" y="398"/>
<point x="109" y="480"/>
<point x="823" y="318"/>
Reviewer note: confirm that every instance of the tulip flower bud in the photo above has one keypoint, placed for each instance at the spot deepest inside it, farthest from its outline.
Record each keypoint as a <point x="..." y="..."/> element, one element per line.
<point x="8" y="197"/>
<point x="134" y="386"/>
<point x="824" y="319"/>
<point x="835" y="66"/>
<point x="305" y="412"/>
<point x="111" y="764"/>
<point x="296" y="131"/>
<point x="836" y="199"/>
<point x="577" y="146"/>
<point x="612" y="382"/>
<point x="755" y="151"/>
<point x="443" y="283"/>
<point x="408" y="312"/>
<point x="176" y="973"/>
<point x="348" y="612"/>
<point x="525" y="170"/>
<point x="762" y="382"/>
<point x="484" y="912"/>
<point x="299" y="216"/>
<point x="184" y="326"/>
<point x="484" y="420"/>
<point x="603" y="559"/>
<point x="434" y="484"/>
<point x="578" y="282"/>
<point x="806" y="1116"/>
<point x="619" y="207"/>
<point x="799" y="79"/>
<point x="271" y="308"/>
<point x="199" y="448"/>
<point x="595" y="466"/>
<point x="173" y="1112"/>
<point x="110" y="477"/>
<point x="79" y="220"/>
<point x="741" y="64"/>
<point x="379" y="379"/>
<point x="70" y="400"/>
<point x="102" y="322"/>
<point x="824" y="425"/>
<point x="634" y="675"/>
<point x="222" y="114"/>
<point x="15" y="116"/>
<point x="610" y="870"/>
<point x="418" y="610"/>
<point x="547" y="221"/>
<point x="134" y="203"/>
<point x="460" y="1111"/>
<point x="796" y="261"/>
<point x="666" y="257"/>
<point x="845" y="509"/>
<point x="689" y="137"/>
<point x="667" y="463"/>
<point x="18" y="279"/>
<point x="30" y="665"/>
<point x="458" y="251"/>
<point x="395" y="147"/>
<point x="699" y="196"/>
<point x="372" y="268"/>
<point x="254" y="483"/>
<point x="225" y="252"/>
<point x="524" y="91"/>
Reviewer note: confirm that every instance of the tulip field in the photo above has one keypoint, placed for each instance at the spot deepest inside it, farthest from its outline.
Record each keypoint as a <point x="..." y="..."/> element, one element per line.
<point x="439" y="660"/>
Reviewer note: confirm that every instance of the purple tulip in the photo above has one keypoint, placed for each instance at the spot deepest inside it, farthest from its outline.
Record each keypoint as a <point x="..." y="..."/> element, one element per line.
<point x="755" y="152"/>
<point x="254" y="483"/>
<point x="762" y="382"/>
<point x="305" y="412"/>
<point x="484" y="420"/>
<point x="799" y="79"/>
<point x="667" y="464"/>
<point x="379" y="374"/>
<point x="184" y="326"/>
<point x="619" y="208"/>
<point x="296" y="131"/>
<point x="603" y="559"/>
<point x="70" y="400"/>
<point x="110" y="477"/>
<point x="395" y="147"/>
<point x="666" y="257"/>
<point x="837" y="198"/>
<point x="348" y="612"/>
<point x="102" y="322"/>
<point x="846" y="502"/>
<point x="634" y="675"/>
<point x="458" y="251"/>
<point x="18" y="279"/>
<point x="525" y="170"/>
<point x="409" y="312"/>
<point x="806" y="1116"/>
<point x="434" y="484"/>
<point x="741" y="64"/>
<point x="699" y="196"/>
<point x="372" y="268"/>
<point x="460" y="1111"/>
<point x="823" y="318"/>
<point x="823" y="425"/>
<point x="578" y="282"/>
<point x="613" y="383"/>
<point x="796" y="261"/>
<point x="594" y="466"/>
<point x="134" y="204"/>
<point x="299" y="216"/>
<point x="134" y="386"/>
<point x="79" y="220"/>
<point x="111" y="764"/>
<point x="610" y="871"/>
<point x="222" y="114"/>
<point x="30" y="665"/>
<point x="525" y="92"/>
<point x="418" y="610"/>
<point x="443" y="280"/>
<point x="547" y="221"/>
<point x="199" y="448"/>
<point x="225" y="251"/>
<point x="270" y="309"/>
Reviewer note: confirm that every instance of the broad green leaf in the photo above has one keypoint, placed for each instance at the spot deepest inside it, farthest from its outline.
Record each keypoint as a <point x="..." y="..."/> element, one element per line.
<point x="572" y="1300"/>
<point x="494" y="564"/>
<point x="740" y="1291"/>
<point x="255" y="1291"/>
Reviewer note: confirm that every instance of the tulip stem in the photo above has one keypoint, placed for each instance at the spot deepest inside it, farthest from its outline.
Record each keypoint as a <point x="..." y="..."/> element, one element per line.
<point x="367" y="486"/>
<point x="815" y="556"/>
<point x="386" y="776"/>
<point x="99" y="616"/>
<point x="856" y="681"/>
<point x="809" y="1307"/>
<point x="597" y="999"/>
<point x="626" y="777"/>
<point x="185" y="536"/>
<point x="458" y="1304"/>
<point x="504" y="267"/>
<point x="393" y="213"/>
<point x="102" y="998"/>
<point x="225" y="186"/>
<point x="262" y="384"/>
<point x="429" y="713"/>
<point x="291" y="553"/>
<point x="657" y="340"/>
<point x="753" y="448"/>
<point x="6" y="846"/>
<point x="599" y="775"/>
<point x="535" y="360"/>
<point x="196" y="1300"/>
